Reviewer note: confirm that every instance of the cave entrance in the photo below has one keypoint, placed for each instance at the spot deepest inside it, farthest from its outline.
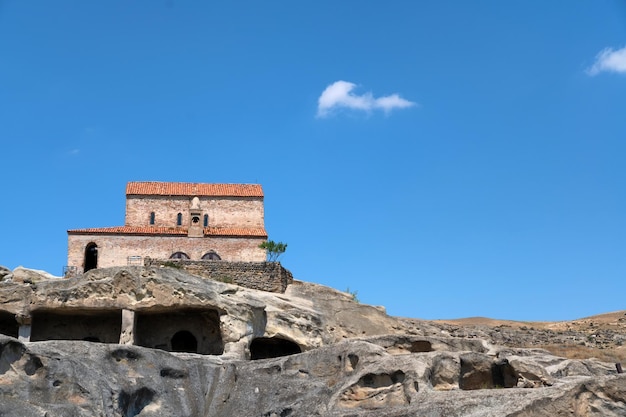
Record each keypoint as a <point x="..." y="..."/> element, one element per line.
<point x="183" y="330"/>
<point x="272" y="347"/>
<point x="91" y="257"/>
<point x="8" y="324"/>
<point x="102" y="326"/>
<point x="184" y="341"/>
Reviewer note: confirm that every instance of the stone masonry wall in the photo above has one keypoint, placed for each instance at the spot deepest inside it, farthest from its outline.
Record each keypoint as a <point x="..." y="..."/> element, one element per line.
<point x="113" y="250"/>
<point x="222" y="211"/>
<point x="264" y="276"/>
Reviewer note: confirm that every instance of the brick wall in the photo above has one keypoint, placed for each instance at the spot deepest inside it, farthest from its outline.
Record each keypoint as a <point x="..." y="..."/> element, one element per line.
<point x="236" y="212"/>
<point x="264" y="276"/>
<point x="222" y="211"/>
<point x="114" y="250"/>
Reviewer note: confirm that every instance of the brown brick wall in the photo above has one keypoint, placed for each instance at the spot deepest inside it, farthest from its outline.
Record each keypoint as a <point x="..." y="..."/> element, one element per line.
<point x="113" y="250"/>
<point x="222" y="211"/>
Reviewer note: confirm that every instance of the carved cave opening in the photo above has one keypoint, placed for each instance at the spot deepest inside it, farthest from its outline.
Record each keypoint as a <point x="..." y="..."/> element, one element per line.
<point x="94" y="326"/>
<point x="272" y="347"/>
<point x="419" y="346"/>
<point x="479" y="372"/>
<point x="8" y="324"/>
<point x="381" y="380"/>
<point x="184" y="330"/>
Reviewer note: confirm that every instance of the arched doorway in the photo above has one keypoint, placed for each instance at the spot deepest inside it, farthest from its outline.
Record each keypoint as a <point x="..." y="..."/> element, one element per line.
<point x="91" y="257"/>
<point x="179" y="255"/>
<point x="184" y="341"/>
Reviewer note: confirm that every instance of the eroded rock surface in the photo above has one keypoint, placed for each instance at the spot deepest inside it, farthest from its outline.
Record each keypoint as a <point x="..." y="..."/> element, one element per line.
<point x="311" y="351"/>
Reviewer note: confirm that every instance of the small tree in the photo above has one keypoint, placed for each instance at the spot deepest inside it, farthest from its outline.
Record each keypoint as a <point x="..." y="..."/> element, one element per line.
<point x="354" y="294"/>
<point x="273" y="249"/>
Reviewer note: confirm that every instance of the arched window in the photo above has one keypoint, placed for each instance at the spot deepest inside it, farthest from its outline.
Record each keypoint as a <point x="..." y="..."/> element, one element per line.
<point x="179" y="219"/>
<point x="179" y="255"/>
<point x="211" y="256"/>
<point x="206" y="220"/>
<point x="152" y="217"/>
<point x="91" y="257"/>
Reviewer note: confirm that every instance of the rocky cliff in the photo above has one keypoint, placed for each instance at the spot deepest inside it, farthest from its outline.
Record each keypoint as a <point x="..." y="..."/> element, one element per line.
<point x="145" y="341"/>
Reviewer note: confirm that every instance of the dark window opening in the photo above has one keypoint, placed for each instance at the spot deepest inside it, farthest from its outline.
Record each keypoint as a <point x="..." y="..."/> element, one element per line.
<point x="211" y="256"/>
<point x="8" y="324"/>
<point x="100" y="326"/>
<point x="195" y="219"/>
<point x="206" y="220"/>
<point x="184" y="341"/>
<point x="272" y="347"/>
<point x="179" y="255"/>
<point x="152" y="217"/>
<point x="179" y="219"/>
<point x="91" y="256"/>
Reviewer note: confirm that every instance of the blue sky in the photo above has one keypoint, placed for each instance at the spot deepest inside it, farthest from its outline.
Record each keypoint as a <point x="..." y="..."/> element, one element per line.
<point x="444" y="159"/>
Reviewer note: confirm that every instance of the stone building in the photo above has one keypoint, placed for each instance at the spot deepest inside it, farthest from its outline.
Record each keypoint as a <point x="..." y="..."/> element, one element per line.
<point x="171" y="220"/>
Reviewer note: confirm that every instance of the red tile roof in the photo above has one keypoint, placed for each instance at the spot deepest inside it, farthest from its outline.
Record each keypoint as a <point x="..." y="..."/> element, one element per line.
<point x="194" y="189"/>
<point x="131" y="230"/>
<point x="235" y="231"/>
<point x="170" y="231"/>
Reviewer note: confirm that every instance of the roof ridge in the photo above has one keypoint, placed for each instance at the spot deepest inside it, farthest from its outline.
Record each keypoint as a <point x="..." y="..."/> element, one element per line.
<point x="193" y="189"/>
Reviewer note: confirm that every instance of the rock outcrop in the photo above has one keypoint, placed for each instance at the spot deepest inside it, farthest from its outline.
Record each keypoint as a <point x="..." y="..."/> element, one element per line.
<point x="159" y="342"/>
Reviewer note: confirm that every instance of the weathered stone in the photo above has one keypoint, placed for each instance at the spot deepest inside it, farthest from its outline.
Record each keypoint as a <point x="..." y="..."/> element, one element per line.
<point x="4" y="271"/>
<point x="445" y="372"/>
<point x="29" y="276"/>
<point x="476" y="371"/>
<point x="264" y="276"/>
<point x="82" y="378"/>
<point x="201" y="335"/>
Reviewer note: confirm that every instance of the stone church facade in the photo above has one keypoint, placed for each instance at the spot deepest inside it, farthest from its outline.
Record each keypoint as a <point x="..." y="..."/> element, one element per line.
<point x="171" y="220"/>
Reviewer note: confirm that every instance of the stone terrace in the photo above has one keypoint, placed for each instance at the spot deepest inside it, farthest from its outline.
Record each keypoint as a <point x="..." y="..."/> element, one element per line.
<point x="264" y="276"/>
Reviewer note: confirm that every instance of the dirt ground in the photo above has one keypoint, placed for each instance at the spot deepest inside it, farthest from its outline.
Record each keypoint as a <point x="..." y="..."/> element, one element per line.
<point x="602" y="336"/>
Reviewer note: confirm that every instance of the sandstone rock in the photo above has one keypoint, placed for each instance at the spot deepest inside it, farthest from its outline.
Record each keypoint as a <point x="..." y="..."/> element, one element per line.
<point x="445" y="373"/>
<point x="476" y="371"/>
<point x="311" y="351"/>
<point x="135" y="381"/>
<point x="4" y="271"/>
<point x="29" y="276"/>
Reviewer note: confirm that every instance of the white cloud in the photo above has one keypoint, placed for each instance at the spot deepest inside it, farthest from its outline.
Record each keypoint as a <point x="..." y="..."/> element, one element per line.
<point x="340" y="95"/>
<point x="609" y="60"/>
